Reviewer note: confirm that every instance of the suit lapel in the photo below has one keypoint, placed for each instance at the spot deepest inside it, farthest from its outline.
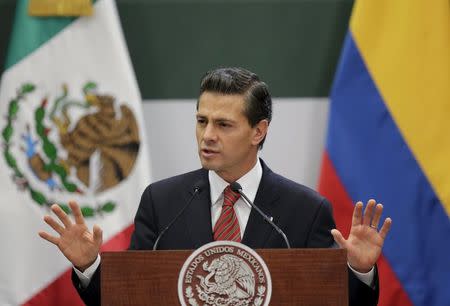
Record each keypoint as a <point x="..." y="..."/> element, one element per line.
<point x="258" y="230"/>
<point x="198" y="216"/>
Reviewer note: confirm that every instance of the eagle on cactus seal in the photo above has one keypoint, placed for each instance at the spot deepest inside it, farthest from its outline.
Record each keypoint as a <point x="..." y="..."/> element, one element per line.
<point x="70" y="146"/>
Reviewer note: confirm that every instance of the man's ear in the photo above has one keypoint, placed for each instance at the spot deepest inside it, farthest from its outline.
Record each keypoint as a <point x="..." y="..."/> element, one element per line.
<point x="260" y="131"/>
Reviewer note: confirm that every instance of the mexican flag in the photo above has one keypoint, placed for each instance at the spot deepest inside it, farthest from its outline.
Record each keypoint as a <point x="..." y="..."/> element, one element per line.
<point x="71" y="129"/>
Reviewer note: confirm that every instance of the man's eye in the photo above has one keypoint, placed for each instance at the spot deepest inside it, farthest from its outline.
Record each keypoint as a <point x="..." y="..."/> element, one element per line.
<point x="201" y="121"/>
<point x="224" y="124"/>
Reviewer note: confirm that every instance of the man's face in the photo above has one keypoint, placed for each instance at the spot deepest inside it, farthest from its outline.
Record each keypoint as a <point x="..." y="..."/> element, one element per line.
<point x="227" y="144"/>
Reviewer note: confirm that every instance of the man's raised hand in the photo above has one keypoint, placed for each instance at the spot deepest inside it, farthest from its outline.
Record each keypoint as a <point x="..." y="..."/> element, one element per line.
<point x="80" y="246"/>
<point x="365" y="241"/>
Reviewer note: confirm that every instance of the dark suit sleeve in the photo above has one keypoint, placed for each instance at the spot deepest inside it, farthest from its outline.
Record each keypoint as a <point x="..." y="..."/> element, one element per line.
<point x="320" y="236"/>
<point x="143" y="238"/>
<point x="360" y="293"/>
<point x="145" y="223"/>
<point x="91" y="294"/>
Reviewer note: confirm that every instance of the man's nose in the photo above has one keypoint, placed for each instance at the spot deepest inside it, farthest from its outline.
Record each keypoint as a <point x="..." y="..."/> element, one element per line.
<point x="209" y="133"/>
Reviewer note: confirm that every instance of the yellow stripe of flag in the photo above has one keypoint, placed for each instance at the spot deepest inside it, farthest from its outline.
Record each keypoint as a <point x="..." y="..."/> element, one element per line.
<point x="406" y="47"/>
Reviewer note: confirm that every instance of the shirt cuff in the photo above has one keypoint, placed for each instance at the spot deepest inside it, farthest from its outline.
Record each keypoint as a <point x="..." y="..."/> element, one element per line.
<point x="366" y="278"/>
<point x="86" y="276"/>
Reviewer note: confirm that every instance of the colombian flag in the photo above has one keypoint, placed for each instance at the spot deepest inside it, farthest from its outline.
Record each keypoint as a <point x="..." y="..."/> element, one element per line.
<point x="389" y="139"/>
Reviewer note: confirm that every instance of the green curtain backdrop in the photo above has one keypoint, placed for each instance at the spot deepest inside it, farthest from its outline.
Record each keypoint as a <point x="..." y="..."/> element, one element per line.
<point x="293" y="45"/>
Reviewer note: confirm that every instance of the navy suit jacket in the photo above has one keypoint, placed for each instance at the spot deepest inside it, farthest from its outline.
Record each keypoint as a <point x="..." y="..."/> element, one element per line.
<point x="303" y="214"/>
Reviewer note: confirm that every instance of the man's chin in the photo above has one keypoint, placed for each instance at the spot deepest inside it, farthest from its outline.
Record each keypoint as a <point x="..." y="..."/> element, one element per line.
<point x="209" y="165"/>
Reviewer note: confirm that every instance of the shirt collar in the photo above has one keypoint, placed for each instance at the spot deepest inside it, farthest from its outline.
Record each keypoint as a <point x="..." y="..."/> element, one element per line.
<point x="249" y="183"/>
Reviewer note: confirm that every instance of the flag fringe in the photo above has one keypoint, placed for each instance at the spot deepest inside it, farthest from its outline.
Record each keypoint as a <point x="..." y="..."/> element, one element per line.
<point x="47" y="8"/>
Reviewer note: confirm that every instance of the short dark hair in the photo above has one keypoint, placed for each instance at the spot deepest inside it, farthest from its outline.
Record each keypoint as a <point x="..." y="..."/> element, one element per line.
<point x="240" y="81"/>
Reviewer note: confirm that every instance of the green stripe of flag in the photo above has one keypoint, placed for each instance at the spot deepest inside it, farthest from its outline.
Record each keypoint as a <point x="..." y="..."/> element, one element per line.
<point x="29" y="33"/>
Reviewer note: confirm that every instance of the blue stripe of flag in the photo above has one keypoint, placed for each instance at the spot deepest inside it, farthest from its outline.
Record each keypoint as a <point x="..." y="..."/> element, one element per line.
<point x="373" y="161"/>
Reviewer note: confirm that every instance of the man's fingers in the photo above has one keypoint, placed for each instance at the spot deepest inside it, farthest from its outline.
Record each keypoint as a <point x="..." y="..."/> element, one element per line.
<point x="357" y="214"/>
<point x="368" y="212"/>
<point x="385" y="228"/>
<point x="61" y="215"/>
<point x="49" y="238"/>
<point x="338" y="238"/>
<point x="98" y="235"/>
<point x="53" y="224"/>
<point x="377" y="216"/>
<point x="76" y="212"/>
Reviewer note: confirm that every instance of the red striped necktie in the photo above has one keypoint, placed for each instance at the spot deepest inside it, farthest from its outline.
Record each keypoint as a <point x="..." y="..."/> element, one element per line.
<point x="227" y="227"/>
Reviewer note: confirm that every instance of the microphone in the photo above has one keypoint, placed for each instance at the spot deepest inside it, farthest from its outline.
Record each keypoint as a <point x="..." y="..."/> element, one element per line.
<point x="236" y="187"/>
<point x="198" y="187"/>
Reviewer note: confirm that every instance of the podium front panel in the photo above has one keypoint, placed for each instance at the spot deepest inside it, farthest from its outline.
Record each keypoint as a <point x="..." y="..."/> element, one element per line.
<point x="310" y="277"/>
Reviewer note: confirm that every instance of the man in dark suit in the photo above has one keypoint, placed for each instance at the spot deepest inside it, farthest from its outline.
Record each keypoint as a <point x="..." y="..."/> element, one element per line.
<point x="233" y="114"/>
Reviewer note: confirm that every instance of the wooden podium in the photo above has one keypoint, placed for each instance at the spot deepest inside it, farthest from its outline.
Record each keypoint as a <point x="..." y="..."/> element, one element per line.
<point x="299" y="277"/>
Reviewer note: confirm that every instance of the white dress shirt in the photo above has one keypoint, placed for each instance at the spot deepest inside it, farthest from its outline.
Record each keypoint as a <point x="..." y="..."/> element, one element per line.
<point x="250" y="184"/>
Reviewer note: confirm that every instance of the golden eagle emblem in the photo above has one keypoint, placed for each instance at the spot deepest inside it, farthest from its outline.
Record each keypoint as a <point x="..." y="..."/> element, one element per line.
<point x="82" y="146"/>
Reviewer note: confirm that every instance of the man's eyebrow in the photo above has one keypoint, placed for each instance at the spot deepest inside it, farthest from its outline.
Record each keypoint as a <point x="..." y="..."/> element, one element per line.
<point x="223" y="119"/>
<point x="215" y="119"/>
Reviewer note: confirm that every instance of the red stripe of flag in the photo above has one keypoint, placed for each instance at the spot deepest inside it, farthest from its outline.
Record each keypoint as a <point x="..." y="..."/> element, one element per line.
<point x="61" y="291"/>
<point x="391" y="290"/>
